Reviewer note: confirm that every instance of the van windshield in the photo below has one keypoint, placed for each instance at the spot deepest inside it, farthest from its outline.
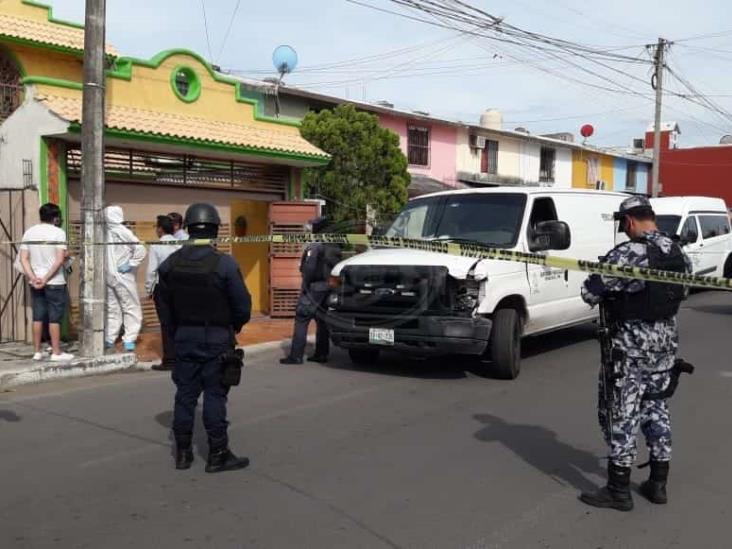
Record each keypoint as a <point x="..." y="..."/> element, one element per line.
<point x="668" y="224"/>
<point x="491" y="219"/>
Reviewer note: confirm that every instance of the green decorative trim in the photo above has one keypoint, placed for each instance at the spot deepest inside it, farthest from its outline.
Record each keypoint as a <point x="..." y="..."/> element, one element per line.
<point x="63" y="188"/>
<point x="49" y="14"/>
<point x="75" y="127"/>
<point x="194" y="84"/>
<point x="123" y="71"/>
<point x="43" y="172"/>
<point x="57" y="82"/>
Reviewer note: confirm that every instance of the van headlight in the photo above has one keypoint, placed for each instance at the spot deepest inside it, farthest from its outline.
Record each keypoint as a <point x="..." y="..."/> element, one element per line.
<point x="466" y="296"/>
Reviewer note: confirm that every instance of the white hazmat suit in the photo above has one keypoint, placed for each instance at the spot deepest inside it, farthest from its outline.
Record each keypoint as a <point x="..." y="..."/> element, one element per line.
<point x="123" y="301"/>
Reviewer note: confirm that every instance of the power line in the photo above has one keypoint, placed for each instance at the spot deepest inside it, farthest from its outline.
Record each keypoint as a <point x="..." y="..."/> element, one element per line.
<point x="205" y="26"/>
<point x="228" y="29"/>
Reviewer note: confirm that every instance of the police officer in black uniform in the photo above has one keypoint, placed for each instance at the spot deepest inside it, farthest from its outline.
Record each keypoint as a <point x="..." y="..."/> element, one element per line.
<point x="205" y="302"/>
<point x="317" y="262"/>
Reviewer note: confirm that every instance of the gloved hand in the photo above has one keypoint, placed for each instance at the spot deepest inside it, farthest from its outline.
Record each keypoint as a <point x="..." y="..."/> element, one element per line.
<point x="594" y="284"/>
<point x="124" y="268"/>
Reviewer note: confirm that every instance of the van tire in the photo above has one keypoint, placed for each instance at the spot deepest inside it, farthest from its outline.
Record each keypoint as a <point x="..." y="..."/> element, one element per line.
<point x="506" y="344"/>
<point x="363" y="357"/>
<point x="727" y="271"/>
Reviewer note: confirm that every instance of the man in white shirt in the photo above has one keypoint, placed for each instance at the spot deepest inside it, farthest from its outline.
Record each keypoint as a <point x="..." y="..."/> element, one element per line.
<point x="178" y="232"/>
<point x="158" y="254"/>
<point x="43" y="266"/>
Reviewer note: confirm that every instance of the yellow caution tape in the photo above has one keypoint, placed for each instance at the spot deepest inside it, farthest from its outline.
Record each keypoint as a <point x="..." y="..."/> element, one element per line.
<point x="477" y="251"/>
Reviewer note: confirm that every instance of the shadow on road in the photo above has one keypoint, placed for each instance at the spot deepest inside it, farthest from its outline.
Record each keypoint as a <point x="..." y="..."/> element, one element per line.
<point x="200" y="441"/>
<point x="713" y="309"/>
<point x="401" y="365"/>
<point x="546" y="343"/>
<point x="10" y="416"/>
<point x="542" y="449"/>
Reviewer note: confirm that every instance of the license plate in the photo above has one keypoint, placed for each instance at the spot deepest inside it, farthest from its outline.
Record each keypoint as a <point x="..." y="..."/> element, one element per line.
<point x="381" y="336"/>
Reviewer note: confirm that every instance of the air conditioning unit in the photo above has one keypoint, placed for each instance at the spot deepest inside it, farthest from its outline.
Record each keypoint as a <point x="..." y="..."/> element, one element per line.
<point x="477" y="141"/>
<point x="639" y="144"/>
<point x="599" y="185"/>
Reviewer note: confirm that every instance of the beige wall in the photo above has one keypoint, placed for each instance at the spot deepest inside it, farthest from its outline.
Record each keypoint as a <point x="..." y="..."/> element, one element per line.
<point x="509" y="154"/>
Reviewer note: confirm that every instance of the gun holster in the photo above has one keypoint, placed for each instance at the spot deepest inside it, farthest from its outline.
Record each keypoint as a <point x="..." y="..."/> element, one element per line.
<point x="232" y="363"/>
<point x="680" y="367"/>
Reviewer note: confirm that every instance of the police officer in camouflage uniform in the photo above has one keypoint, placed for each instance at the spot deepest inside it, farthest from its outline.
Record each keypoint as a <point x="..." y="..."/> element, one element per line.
<point x="644" y="341"/>
<point x="318" y="260"/>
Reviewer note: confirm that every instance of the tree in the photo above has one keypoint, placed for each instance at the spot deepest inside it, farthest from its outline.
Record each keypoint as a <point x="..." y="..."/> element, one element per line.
<point x="366" y="167"/>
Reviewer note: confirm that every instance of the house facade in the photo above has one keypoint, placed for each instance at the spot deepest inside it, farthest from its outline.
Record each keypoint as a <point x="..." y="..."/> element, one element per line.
<point x="176" y="132"/>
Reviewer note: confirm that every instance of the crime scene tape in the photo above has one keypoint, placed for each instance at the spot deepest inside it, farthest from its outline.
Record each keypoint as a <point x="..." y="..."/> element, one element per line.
<point x="477" y="251"/>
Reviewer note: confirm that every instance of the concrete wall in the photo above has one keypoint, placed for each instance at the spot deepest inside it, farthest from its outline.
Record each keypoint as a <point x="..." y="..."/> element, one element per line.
<point x="701" y="171"/>
<point x="443" y="147"/>
<point x="469" y="158"/>
<point x="604" y="168"/>
<point x="642" y="177"/>
<point x="20" y="140"/>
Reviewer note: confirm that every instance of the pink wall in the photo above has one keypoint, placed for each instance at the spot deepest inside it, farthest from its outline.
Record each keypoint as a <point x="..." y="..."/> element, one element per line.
<point x="443" y="147"/>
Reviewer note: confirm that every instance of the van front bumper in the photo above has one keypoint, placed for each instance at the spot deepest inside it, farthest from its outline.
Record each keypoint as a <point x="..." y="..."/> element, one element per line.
<point x="420" y="335"/>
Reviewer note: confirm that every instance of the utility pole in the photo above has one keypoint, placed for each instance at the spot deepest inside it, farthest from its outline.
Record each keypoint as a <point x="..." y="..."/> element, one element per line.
<point x="92" y="183"/>
<point x="658" y="85"/>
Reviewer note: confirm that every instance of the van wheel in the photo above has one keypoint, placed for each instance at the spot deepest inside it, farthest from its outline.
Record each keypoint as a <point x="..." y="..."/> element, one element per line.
<point x="363" y="357"/>
<point x="506" y="344"/>
<point x="727" y="272"/>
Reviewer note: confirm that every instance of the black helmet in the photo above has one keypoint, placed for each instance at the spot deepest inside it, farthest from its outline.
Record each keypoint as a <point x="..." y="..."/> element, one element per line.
<point x="201" y="214"/>
<point x="319" y="224"/>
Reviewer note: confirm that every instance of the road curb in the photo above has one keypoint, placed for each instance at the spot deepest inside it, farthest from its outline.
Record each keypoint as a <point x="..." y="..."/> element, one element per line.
<point x="250" y="351"/>
<point x="79" y="367"/>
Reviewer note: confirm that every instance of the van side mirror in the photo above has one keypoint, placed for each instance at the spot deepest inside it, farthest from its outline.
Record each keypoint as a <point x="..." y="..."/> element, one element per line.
<point x="550" y="235"/>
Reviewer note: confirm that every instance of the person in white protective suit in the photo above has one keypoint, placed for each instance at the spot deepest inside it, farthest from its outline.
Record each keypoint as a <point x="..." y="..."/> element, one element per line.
<point x="123" y="301"/>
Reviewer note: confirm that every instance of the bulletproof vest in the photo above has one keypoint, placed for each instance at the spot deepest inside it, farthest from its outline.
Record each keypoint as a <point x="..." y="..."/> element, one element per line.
<point x="658" y="300"/>
<point x="197" y="301"/>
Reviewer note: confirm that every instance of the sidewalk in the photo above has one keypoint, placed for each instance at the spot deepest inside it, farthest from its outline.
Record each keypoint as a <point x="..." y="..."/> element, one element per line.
<point x="17" y="367"/>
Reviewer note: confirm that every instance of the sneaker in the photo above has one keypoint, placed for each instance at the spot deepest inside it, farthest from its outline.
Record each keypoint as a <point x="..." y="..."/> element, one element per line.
<point x="62" y="357"/>
<point x="39" y="356"/>
<point x="129" y="346"/>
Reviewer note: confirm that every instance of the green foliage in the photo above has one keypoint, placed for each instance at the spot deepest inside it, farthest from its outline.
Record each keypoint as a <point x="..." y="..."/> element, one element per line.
<point x="366" y="167"/>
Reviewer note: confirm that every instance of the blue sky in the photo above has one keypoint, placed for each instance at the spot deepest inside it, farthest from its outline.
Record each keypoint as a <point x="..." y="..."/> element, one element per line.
<point x="417" y="66"/>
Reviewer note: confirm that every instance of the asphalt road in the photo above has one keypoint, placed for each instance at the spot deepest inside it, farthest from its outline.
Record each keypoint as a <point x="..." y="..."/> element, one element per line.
<point x="399" y="455"/>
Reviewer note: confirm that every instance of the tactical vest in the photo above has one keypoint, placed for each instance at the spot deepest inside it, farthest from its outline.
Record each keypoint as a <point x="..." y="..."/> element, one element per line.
<point x="658" y="300"/>
<point x="197" y="301"/>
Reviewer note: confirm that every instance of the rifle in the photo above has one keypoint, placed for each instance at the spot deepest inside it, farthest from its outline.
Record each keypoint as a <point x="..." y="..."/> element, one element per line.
<point x="608" y="371"/>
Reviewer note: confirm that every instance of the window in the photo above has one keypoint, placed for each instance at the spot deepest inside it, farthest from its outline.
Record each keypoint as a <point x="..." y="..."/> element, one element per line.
<point x="689" y="233"/>
<point x="630" y="176"/>
<point x="493" y="219"/>
<point x="489" y="157"/>
<point x="593" y="171"/>
<point x="418" y="146"/>
<point x="546" y="165"/>
<point x="713" y="225"/>
<point x="11" y="90"/>
<point x="186" y="84"/>
<point x="669" y="224"/>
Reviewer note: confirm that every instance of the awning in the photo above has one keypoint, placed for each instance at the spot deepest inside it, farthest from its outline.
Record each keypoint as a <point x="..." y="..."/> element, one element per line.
<point x="422" y="184"/>
<point x="189" y="130"/>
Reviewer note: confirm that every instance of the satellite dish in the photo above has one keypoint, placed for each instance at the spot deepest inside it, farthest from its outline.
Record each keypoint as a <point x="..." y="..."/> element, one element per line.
<point x="726" y="140"/>
<point x="284" y="59"/>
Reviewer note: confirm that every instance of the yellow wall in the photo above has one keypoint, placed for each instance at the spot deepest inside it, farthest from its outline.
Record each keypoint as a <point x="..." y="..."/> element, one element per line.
<point x="253" y="259"/>
<point x="40" y="62"/>
<point x="580" y="161"/>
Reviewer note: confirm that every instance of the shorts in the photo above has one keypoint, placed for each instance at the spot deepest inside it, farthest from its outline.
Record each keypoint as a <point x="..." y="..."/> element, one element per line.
<point x="49" y="304"/>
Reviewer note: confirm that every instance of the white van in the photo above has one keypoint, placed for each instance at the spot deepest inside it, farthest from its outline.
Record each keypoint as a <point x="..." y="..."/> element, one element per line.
<point x="426" y="303"/>
<point x="702" y="224"/>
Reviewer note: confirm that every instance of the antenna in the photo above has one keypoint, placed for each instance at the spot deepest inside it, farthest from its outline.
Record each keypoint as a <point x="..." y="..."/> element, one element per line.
<point x="284" y="59"/>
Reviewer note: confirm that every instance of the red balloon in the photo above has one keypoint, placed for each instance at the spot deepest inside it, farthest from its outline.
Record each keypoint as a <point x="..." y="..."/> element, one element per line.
<point x="587" y="130"/>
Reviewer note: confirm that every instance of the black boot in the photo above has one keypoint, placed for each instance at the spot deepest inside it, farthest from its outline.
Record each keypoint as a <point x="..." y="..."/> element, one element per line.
<point x="654" y="489"/>
<point x="319" y="358"/>
<point x="220" y="459"/>
<point x="183" y="455"/>
<point x="616" y="494"/>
